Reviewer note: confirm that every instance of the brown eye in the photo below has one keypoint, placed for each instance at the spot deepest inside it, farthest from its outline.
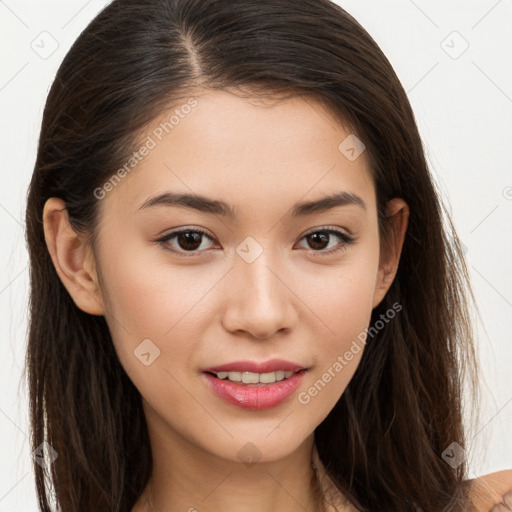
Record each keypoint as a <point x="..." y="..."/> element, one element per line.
<point x="185" y="241"/>
<point x="189" y="240"/>
<point x="319" y="240"/>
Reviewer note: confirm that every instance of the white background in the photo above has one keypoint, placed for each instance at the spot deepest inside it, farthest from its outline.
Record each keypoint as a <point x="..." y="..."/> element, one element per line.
<point x="463" y="107"/>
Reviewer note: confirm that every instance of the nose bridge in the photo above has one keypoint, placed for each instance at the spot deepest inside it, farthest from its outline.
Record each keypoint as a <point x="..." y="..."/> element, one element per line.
<point x="259" y="300"/>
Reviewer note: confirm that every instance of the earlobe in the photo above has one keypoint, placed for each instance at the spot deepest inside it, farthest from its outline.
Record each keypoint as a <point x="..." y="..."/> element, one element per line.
<point x="397" y="214"/>
<point x="72" y="257"/>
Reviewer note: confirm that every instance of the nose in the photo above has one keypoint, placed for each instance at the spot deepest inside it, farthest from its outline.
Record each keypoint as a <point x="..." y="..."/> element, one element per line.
<point x="259" y="301"/>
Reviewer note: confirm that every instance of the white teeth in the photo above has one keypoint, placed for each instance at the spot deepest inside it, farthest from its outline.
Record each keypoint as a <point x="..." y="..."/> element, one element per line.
<point x="234" y="376"/>
<point x="254" y="378"/>
<point x="268" y="378"/>
<point x="249" y="378"/>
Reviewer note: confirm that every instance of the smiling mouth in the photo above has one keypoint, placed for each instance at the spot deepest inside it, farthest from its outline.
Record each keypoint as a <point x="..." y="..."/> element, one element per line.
<point x="254" y="391"/>
<point x="254" y="378"/>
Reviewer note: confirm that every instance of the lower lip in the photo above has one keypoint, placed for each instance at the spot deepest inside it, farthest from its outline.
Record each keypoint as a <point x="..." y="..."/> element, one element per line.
<point x="255" y="397"/>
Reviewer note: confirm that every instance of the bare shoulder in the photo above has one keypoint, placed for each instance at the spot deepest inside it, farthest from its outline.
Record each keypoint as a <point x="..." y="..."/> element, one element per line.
<point x="488" y="491"/>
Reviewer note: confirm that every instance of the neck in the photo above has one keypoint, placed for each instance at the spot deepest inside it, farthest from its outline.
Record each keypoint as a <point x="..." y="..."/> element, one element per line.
<point x="187" y="478"/>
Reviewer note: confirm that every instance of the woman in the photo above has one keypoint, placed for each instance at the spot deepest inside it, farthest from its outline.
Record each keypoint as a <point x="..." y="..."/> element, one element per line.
<point x="244" y="293"/>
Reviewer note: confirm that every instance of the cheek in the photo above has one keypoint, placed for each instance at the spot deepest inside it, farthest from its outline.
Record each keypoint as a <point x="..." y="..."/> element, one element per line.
<point x="343" y="303"/>
<point x="151" y="300"/>
<point x="147" y="294"/>
<point x="342" y="295"/>
<point x="346" y="315"/>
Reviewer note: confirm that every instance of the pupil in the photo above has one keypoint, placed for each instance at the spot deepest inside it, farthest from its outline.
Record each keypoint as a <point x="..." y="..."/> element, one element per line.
<point x="316" y="236"/>
<point x="189" y="237"/>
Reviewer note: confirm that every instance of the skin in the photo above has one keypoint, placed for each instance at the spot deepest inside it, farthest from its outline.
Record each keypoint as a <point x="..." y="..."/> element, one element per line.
<point x="214" y="307"/>
<point x="492" y="492"/>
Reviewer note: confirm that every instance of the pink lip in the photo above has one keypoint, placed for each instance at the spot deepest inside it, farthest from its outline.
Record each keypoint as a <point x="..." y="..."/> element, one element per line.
<point x="255" y="397"/>
<point x="273" y="365"/>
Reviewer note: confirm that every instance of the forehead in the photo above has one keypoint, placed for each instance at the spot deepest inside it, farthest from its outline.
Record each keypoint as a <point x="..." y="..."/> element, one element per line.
<point x="247" y="151"/>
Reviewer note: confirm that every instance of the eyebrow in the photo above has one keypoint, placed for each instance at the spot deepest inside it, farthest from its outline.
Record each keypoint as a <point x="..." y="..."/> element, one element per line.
<point x="216" y="207"/>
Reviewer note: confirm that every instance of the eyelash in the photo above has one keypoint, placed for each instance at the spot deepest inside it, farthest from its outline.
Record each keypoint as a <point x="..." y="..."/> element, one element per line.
<point x="346" y="240"/>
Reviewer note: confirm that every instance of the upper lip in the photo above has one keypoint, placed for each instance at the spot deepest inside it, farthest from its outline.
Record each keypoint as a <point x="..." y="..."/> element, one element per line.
<point x="271" y="365"/>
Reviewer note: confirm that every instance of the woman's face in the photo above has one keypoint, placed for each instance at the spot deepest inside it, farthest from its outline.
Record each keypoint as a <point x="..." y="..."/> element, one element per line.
<point x="267" y="282"/>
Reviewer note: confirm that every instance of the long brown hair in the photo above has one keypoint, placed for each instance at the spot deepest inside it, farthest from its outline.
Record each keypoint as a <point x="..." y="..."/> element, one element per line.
<point x="383" y="441"/>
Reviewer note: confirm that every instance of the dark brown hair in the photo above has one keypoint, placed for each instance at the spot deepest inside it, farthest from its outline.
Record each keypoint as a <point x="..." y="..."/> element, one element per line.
<point x="382" y="442"/>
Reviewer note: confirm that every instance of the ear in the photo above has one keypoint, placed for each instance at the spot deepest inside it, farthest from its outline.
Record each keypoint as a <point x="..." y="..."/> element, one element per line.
<point x="72" y="257"/>
<point x="397" y="214"/>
